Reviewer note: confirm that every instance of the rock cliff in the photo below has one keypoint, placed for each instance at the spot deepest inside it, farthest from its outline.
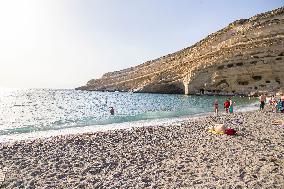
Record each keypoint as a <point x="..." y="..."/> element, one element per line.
<point x="246" y="57"/>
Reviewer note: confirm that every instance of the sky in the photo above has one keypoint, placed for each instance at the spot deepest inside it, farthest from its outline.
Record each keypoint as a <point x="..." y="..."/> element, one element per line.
<point x="64" y="43"/>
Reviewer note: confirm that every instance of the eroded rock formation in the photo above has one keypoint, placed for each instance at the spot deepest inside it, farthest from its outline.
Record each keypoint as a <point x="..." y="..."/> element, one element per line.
<point x="246" y="57"/>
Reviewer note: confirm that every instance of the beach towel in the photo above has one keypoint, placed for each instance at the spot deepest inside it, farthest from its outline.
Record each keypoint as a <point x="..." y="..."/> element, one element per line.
<point x="217" y="129"/>
<point x="215" y="132"/>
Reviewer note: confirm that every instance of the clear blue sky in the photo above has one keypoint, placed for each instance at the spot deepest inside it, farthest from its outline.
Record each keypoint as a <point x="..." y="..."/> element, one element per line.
<point x="64" y="43"/>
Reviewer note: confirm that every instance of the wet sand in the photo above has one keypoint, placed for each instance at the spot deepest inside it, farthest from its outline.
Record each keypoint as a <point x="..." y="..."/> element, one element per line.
<point x="183" y="155"/>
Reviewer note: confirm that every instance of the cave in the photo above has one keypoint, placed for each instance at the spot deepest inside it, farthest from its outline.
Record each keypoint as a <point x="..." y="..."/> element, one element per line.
<point x="230" y="65"/>
<point x="243" y="82"/>
<point x="221" y="82"/>
<point x="220" y="67"/>
<point x="257" y="77"/>
<point x="240" y="64"/>
<point x="173" y="89"/>
<point x="165" y="88"/>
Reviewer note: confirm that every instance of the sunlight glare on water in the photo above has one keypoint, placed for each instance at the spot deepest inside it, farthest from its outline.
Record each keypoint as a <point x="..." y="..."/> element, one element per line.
<point x="31" y="110"/>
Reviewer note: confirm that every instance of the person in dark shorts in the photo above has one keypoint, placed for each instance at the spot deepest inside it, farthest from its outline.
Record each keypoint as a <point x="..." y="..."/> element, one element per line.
<point x="262" y="100"/>
<point x="280" y="104"/>
<point x="111" y="111"/>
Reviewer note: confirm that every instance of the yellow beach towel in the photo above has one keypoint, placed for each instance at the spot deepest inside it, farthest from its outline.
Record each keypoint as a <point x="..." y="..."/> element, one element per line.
<point x="215" y="132"/>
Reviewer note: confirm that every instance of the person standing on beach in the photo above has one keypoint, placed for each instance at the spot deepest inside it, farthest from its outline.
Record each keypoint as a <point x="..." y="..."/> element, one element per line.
<point x="282" y="103"/>
<point x="216" y="108"/>
<point x="231" y="107"/>
<point x="271" y="100"/>
<point x="227" y="105"/>
<point x="262" y="100"/>
<point x="274" y="103"/>
<point x="278" y="106"/>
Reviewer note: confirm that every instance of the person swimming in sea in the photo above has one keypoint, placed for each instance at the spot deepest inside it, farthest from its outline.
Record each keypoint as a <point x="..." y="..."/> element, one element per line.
<point x="111" y="111"/>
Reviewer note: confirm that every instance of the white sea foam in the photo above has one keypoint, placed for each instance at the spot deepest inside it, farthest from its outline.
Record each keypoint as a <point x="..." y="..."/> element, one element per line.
<point x="250" y="107"/>
<point x="98" y="128"/>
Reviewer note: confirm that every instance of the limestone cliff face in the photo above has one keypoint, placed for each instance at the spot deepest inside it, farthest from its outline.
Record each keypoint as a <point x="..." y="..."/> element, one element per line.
<point x="245" y="57"/>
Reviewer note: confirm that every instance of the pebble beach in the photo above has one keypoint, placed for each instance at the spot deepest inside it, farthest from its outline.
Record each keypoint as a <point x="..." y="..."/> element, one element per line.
<point x="182" y="155"/>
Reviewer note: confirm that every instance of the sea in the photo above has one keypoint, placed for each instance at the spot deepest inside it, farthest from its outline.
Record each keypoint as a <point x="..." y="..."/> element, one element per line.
<point x="35" y="113"/>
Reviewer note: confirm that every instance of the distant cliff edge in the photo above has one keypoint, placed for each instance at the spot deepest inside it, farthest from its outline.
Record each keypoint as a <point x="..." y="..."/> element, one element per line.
<point x="246" y="57"/>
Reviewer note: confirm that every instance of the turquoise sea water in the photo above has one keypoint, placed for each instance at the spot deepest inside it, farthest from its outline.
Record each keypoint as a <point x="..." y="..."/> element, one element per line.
<point x="33" y="110"/>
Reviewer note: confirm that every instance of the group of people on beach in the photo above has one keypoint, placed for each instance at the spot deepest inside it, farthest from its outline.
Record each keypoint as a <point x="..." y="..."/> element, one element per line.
<point x="228" y="106"/>
<point x="276" y="102"/>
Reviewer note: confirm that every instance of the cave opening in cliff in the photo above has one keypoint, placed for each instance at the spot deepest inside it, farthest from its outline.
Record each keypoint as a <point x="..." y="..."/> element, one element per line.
<point x="257" y="77"/>
<point x="173" y="88"/>
<point x="277" y="80"/>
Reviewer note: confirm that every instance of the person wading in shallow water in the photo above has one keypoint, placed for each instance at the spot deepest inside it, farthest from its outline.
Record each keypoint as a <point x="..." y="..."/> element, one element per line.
<point x="227" y="105"/>
<point x="262" y="100"/>
<point x="231" y="107"/>
<point x="216" y="107"/>
<point x="111" y="111"/>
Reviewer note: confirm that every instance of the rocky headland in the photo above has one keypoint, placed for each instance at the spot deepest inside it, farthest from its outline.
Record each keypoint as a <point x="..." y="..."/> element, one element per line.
<point x="246" y="57"/>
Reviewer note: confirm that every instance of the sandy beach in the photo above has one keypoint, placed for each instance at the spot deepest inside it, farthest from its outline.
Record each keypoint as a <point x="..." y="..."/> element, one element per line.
<point x="183" y="155"/>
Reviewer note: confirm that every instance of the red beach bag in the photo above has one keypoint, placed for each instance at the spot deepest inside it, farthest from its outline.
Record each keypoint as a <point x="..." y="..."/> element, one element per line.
<point x="230" y="131"/>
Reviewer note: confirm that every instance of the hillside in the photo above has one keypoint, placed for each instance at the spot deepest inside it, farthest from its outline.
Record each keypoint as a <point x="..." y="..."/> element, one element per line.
<point x="246" y="57"/>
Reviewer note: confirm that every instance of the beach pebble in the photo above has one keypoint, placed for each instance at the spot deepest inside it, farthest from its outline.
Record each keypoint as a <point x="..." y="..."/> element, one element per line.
<point x="181" y="155"/>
